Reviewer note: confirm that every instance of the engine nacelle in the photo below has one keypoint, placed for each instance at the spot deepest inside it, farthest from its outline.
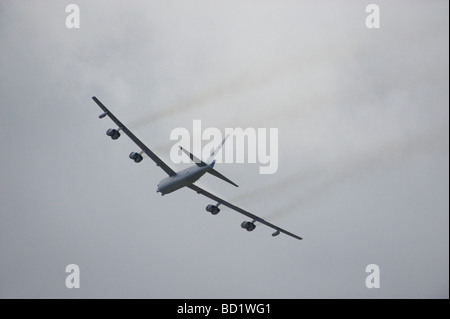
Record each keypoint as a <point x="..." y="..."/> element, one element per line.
<point x="137" y="157"/>
<point x="133" y="155"/>
<point x="248" y="225"/>
<point x="213" y="209"/>
<point x="113" y="133"/>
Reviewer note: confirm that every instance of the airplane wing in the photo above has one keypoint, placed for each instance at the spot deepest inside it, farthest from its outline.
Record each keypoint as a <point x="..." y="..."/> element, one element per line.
<point x="144" y="148"/>
<point x="240" y="210"/>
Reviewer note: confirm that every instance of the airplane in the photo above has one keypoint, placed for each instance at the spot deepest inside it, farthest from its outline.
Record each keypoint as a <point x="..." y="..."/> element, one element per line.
<point x="188" y="176"/>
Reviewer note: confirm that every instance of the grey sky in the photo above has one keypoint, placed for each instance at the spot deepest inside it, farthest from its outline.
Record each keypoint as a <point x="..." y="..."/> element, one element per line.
<point x="363" y="122"/>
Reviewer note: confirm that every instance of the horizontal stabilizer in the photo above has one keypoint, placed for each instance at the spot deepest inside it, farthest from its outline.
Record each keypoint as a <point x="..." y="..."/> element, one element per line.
<point x="212" y="171"/>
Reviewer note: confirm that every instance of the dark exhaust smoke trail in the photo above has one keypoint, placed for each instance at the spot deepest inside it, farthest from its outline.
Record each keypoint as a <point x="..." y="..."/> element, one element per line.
<point x="233" y="87"/>
<point x="390" y="155"/>
<point x="324" y="178"/>
<point x="245" y="81"/>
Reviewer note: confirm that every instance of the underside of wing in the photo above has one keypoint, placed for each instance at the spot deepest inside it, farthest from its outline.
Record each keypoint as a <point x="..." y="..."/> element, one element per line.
<point x="243" y="212"/>
<point x="114" y="133"/>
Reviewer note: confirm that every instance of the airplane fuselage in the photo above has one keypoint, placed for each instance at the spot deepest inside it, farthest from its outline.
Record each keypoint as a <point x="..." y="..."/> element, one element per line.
<point x="182" y="178"/>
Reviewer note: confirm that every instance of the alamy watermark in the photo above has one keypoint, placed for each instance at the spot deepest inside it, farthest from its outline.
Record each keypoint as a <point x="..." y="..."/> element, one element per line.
<point x="373" y="19"/>
<point x="73" y="19"/>
<point x="248" y="145"/>
<point x="373" y="279"/>
<point x="73" y="279"/>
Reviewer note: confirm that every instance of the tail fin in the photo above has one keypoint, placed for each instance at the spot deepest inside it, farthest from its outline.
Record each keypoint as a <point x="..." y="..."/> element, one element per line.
<point x="214" y="152"/>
